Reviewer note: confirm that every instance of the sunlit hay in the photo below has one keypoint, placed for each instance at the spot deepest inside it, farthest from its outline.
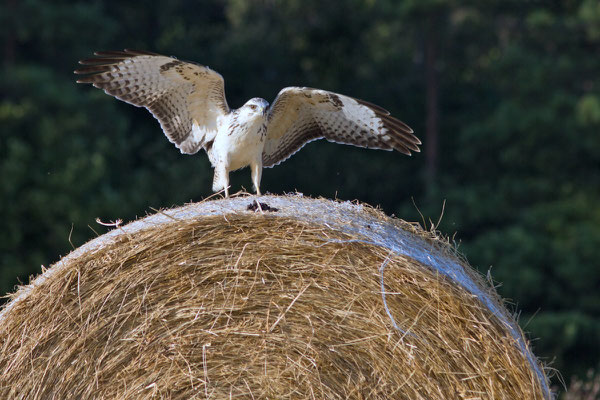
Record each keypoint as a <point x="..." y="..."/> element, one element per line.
<point x="251" y="305"/>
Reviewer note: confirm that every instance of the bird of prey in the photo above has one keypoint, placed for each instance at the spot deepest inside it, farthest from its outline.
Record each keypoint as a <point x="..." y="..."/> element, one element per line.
<point x="188" y="100"/>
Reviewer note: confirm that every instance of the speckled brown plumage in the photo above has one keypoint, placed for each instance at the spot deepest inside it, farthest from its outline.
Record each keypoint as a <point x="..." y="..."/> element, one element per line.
<point x="301" y="115"/>
<point x="174" y="91"/>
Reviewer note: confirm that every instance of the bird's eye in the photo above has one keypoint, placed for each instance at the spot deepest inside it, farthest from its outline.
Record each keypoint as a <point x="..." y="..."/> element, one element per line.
<point x="252" y="106"/>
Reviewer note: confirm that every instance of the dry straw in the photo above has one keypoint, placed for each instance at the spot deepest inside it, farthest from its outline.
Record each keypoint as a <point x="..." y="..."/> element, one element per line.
<point x="211" y="301"/>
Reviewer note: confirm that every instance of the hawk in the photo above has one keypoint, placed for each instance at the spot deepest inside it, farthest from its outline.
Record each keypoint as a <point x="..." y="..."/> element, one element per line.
<point x="188" y="100"/>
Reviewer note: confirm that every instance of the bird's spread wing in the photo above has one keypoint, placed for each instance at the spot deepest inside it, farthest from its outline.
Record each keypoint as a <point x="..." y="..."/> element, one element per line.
<point x="186" y="98"/>
<point x="300" y="115"/>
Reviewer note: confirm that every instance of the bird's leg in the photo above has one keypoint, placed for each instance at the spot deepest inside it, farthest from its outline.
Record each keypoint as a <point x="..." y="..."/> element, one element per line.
<point x="256" y="175"/>
<point x="221" y="179"/>
<point x="256" y="168"/>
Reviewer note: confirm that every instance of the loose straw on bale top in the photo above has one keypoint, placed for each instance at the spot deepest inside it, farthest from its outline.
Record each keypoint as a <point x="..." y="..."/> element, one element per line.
<point x="211" y="301"/>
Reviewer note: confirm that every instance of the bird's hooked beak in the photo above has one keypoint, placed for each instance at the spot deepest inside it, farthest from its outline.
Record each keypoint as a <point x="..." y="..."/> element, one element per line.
<point x="264" y="107"/>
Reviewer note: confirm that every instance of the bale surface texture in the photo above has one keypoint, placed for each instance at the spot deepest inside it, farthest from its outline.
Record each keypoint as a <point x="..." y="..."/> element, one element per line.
<point x="211" y="301"/>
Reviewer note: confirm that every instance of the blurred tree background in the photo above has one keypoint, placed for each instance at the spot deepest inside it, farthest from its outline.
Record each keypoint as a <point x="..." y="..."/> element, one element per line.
<point x="504" y="94"/>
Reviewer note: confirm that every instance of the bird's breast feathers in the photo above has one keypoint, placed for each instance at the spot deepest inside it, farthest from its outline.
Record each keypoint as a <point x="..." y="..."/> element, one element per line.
<point x="238" y="143"/>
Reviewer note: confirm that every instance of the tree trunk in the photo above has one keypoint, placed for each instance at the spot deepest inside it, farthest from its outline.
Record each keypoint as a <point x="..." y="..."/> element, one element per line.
<point x="10" y="39"/>
<point x="432" y="108"/>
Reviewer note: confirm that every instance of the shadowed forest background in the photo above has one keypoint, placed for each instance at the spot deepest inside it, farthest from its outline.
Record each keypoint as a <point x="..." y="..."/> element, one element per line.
<point x="505" y="96"/>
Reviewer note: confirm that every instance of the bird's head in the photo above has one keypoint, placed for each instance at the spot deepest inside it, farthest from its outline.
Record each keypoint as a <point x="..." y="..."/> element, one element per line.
<point x="254" y="108"/>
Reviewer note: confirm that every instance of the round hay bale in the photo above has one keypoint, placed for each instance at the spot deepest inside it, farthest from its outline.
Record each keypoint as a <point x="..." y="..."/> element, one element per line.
<point x="308" y="299"/>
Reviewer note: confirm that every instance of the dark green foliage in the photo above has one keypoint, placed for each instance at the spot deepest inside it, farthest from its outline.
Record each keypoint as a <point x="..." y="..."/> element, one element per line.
<point x="519" y="131"/>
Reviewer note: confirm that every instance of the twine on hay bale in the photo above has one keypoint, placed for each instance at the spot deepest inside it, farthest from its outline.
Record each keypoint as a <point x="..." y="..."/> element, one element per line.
<point x="213" y="301"/>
